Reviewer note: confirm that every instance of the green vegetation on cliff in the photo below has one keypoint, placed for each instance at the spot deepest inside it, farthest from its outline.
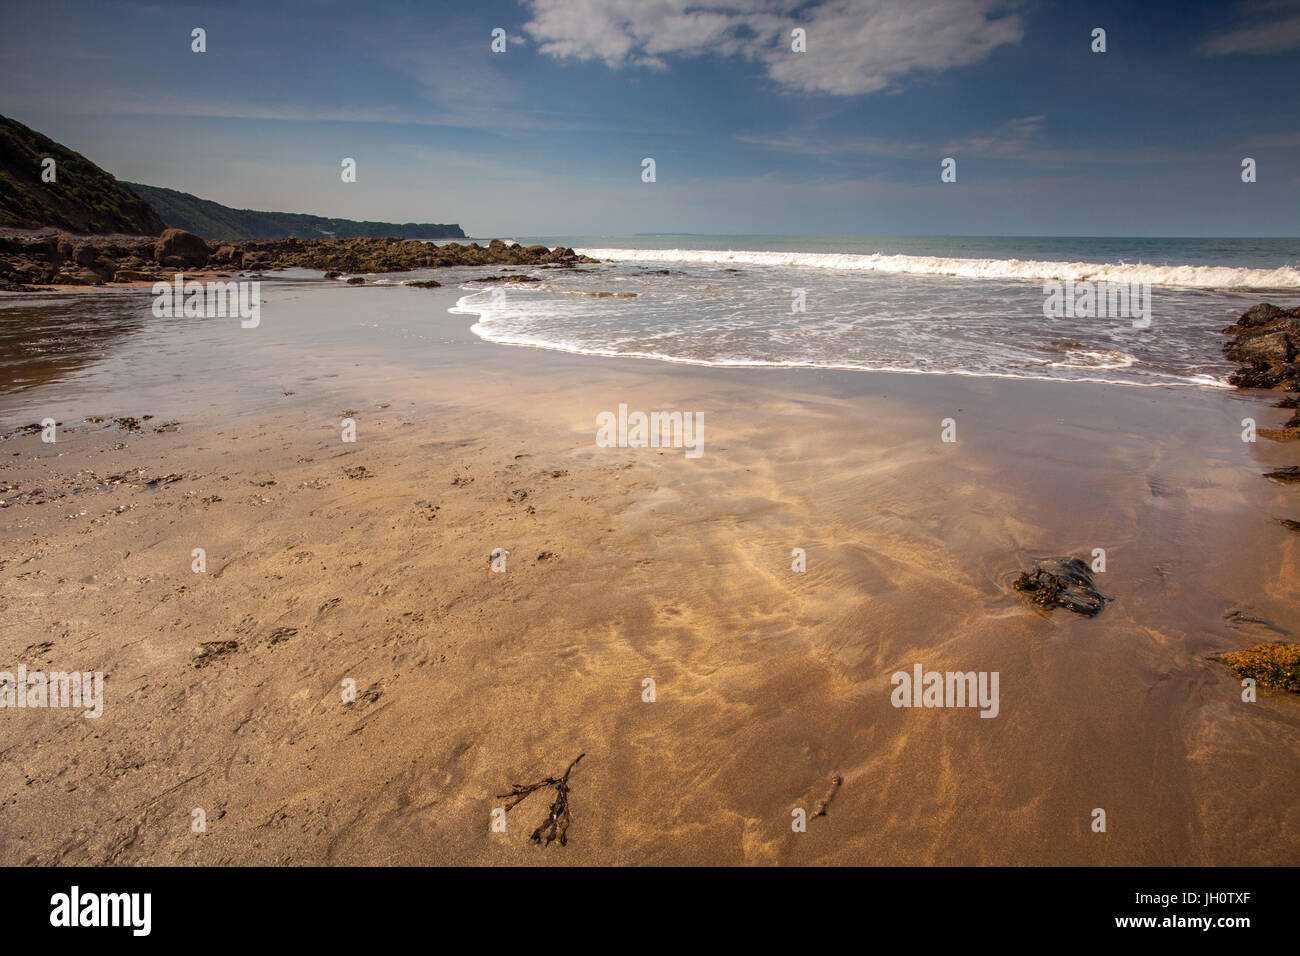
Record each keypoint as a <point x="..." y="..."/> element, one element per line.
<point x="83" y="198"/>
<point x="211" y="220"/>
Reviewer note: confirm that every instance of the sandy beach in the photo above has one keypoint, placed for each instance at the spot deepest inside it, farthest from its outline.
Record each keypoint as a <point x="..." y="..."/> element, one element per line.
<point x="372" y="561"/>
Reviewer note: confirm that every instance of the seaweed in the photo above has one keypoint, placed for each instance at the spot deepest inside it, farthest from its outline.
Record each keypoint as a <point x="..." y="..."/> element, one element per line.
<point x="1275" y="665"/>
<point x="836" y="782"/>
<point x="556" y="824"/>
<point x="1062" y="582"/>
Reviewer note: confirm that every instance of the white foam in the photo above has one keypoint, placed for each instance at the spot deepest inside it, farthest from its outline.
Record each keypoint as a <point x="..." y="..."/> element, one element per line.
<point x="1188" y="277"/>
<point x="484" y="329"/>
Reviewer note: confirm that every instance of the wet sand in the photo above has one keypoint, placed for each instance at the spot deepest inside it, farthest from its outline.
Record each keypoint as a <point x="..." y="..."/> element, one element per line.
<point x="625" y="564"/>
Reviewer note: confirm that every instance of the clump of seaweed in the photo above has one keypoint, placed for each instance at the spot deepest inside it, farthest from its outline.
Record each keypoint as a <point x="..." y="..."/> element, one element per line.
<point x="556" y="824"/>
<point x="836" y="782"/>
<point x="1275" y="665"/>
<point x="1062" y="582"/>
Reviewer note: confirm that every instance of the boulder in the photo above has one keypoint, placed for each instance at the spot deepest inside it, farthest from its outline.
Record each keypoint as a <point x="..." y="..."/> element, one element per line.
<point x="178" y="247"/>
<point x="84" y="254"/>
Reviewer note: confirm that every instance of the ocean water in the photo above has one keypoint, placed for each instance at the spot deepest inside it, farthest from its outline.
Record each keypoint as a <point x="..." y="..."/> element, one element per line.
<point x="938" y="305"/>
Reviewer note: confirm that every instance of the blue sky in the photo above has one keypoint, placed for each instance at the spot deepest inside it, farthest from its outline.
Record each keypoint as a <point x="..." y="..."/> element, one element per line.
<point x="748" y="136"/>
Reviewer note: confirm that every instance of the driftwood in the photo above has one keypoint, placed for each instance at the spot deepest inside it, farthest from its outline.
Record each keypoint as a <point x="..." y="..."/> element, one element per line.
<point x="836" y="782"/>
<point x="556" y="824"/>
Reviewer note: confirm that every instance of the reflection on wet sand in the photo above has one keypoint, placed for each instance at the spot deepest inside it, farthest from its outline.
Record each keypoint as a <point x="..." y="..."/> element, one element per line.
<point x="44" y="340"/>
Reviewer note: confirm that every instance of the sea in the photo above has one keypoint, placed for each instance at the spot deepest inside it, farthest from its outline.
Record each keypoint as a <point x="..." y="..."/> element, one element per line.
<point x="967" y="306"/>
<point x="939" y="305"/>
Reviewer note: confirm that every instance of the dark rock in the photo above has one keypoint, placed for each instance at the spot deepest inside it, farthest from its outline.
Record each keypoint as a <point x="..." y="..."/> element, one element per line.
<point x="1287" y="476"/>
<point x="1266" y="342"/>
<point x="176" y="246"/>
<point x="40" y="259"/>
<point x="425" y="284"/>
<point x="1272" y="348"/>
<point x="1062" y="582"/>
<point x="79" y="277"/>
<point x="1258" y="315"/>
<point x="357" y="280"/>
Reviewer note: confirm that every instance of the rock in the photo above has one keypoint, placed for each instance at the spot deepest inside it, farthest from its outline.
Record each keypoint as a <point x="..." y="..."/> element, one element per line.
<point x="1287" y="476"/>
<point x="30" y="260"/>
<point x="79" y="277"/>
<point x="425" y="284"/>
<point x="1266" y="343"/>
<point x="357" y="280"/>
<point x="1258" y="315"/>
<point x="130" y="275"/>
<point x="1272" y="348"/>
<point x="1062" y="582"/>
<point x="176" y="247"/>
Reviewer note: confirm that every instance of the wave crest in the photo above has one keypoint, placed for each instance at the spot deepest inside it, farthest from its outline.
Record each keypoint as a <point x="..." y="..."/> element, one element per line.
<point x="1186" y="276"/>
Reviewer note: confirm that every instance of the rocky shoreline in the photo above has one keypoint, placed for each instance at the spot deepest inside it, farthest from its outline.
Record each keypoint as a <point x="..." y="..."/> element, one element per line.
<point x="1266" y="345"/>
<point x="32" y="260"/>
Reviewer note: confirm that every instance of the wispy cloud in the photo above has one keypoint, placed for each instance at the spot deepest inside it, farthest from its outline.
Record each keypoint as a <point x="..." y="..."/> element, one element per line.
<point x="1022" y="140"/>
<point x="1270" y="28"/>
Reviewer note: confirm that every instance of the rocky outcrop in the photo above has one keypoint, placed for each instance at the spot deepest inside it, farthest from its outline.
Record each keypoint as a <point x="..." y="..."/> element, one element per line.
<point x="381" y="255"/>
<point x="1266" y="344"/>
<point x="36" y="259"/>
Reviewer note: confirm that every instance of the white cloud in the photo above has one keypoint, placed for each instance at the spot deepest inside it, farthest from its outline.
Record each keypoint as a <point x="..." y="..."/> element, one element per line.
<point x="853" y="46"/>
